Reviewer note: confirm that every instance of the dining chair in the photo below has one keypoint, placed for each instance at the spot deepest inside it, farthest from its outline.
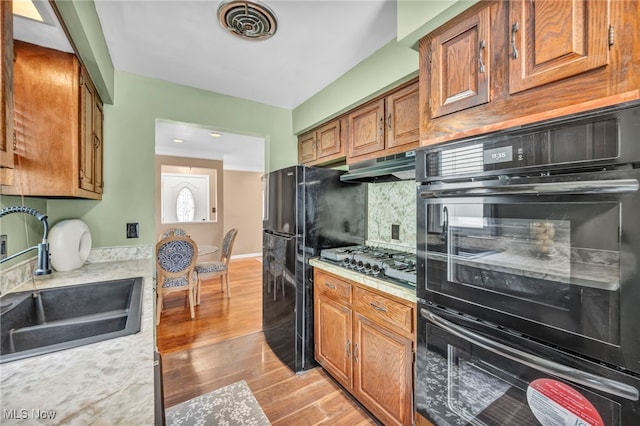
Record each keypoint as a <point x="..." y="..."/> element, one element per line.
<point x="179" y="232"/>
<point x="217" y="268"/>
<point x="175" y="268"/>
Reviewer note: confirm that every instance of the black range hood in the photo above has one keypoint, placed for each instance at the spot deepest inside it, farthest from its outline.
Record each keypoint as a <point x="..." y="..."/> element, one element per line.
<point x="391" y="168"/>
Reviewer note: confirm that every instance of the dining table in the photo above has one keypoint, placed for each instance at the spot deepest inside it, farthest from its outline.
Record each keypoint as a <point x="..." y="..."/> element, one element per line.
<point x="204" y="249"/>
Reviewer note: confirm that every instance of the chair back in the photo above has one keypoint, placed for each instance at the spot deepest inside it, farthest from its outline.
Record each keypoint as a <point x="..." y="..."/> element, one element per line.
<point x="176" y="258"/>
<point x="227" y="245"/>
<point x="171" y="232"/>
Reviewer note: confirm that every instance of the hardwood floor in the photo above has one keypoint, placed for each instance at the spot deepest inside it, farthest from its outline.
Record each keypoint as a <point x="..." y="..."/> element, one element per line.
<point x="224" y="344"/>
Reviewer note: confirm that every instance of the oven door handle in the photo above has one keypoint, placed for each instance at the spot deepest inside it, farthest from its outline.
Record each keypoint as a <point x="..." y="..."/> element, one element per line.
<point x="593" y="381"/>
<point x="614" y="186"/>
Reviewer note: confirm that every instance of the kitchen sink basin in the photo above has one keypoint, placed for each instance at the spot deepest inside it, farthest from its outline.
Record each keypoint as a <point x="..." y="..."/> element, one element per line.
<point x="65" y="317"/>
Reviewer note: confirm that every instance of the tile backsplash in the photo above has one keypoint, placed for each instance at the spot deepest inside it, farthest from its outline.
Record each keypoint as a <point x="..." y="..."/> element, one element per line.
<point x="389" y="204"/>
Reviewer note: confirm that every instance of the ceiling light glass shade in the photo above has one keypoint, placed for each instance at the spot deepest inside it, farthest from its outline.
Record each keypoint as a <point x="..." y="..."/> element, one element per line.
<point x="247" y="19"/>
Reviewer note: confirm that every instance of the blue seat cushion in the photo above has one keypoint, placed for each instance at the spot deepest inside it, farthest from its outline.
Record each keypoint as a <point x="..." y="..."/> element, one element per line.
<point x="177" y="282"/>
<point x="210" y="267"/>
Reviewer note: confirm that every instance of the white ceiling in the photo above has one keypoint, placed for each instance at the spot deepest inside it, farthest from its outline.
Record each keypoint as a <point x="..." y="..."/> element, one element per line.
<point x="182" y="42"/>
<point x="238" y="152"/>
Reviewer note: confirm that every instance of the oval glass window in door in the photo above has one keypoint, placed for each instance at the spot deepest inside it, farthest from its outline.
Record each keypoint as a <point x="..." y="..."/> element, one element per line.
<point x="185" y="205"/>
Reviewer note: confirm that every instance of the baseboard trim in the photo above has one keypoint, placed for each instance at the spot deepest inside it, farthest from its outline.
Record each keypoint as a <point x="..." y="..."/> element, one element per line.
<point x="242" y="256"/>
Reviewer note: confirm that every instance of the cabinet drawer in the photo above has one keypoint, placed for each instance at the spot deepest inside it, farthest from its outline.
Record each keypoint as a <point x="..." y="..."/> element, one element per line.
<point x="389" y="311"/>
<point x="333" y="287"/>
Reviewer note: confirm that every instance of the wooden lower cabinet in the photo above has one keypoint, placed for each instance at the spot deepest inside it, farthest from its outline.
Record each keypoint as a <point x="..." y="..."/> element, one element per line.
<point x="364" y="341"/>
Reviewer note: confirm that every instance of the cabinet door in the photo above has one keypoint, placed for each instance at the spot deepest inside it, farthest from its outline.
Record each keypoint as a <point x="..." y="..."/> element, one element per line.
<point x="460" y="65"/>
<point x="553" y="40"/>
<point x="403" y="117"/>
<point x="328" y="137"/>
<point x="307" y="147"/>
<point x="87" y="139"/>
<point x="6" y="90"/>
<point x="366" y="129"/>
<point x="383" y="372"/>
<point x="333" y="343"/>
<point x="98" y="118"/>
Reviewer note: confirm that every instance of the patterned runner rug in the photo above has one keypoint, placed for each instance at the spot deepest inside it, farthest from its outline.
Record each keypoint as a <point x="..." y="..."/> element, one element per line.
<point x="231" y="405"/>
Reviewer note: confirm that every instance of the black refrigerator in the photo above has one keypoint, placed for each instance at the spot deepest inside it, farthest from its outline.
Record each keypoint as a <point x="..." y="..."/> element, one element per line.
<point x="306" y="210"/>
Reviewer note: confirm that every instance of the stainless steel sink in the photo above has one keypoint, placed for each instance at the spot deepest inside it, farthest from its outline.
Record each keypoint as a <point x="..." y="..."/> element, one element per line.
<point x="65" y="317"/>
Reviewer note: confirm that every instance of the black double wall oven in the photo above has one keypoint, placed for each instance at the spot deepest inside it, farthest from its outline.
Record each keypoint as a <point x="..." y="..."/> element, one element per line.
<point x="528" y="275"/>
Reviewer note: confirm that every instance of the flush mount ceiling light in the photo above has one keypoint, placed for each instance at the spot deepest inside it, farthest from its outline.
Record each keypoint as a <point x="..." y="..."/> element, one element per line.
<point x="214" y="134"/>
<point x="247" y="19"/>
<point x="177" y="140"/>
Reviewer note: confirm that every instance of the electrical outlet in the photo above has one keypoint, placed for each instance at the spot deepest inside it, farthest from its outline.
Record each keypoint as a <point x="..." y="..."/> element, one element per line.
<point x="3" y="246"/>
<point x="133" y="230"/>
<point x="395" y="232"/>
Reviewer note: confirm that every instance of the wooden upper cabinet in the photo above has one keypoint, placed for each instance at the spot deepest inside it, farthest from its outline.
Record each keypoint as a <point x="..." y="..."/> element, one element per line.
<point x="58" y="126"/>
<point x="6" y="90"/>
<point x="90" y="135"/>
<point x="553" y="40"/>
<point x="403" y="117"/>
<point x="329" y="141"/>
<point x="459" y="61"/>
<point x="322" y="145"/>
<point x="307" y="148"/>
<point x="366" y="129"/>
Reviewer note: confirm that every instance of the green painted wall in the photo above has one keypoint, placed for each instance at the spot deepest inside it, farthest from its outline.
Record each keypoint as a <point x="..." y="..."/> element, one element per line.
<point x="417" y="18"/>
<point x="388" y="67"/>
<point x="129" y="150"/>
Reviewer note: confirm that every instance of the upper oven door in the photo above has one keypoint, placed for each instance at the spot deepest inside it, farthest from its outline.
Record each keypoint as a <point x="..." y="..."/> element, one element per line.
<point x="555" y="258"/>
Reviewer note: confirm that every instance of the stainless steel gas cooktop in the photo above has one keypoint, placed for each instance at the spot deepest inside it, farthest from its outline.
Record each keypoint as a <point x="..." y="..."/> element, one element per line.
<point x="393" y="265"/>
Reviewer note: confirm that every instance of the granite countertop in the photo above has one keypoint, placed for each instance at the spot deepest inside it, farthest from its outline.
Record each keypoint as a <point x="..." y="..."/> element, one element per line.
<point x="108" y="382"/>
<point x="406" y="293"/>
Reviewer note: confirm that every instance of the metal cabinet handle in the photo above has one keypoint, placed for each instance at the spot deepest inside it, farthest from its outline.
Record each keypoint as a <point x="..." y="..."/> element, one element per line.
<point x="480" y="50"/>
<point x="514" y="29"/>
<point x="541" y="364"/>
<point x="348" y="348"/>
<point x="389" y="121"/>
<point x="378" y="308"/>
<point x="331" y="286"/>
<point x="355" y="353"/>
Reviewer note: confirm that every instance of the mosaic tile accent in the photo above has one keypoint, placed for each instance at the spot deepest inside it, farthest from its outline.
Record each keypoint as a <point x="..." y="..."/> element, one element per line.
<point x="392" y="203"/>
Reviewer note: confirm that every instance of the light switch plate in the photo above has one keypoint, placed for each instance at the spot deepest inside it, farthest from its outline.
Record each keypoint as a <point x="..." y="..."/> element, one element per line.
<point x="133" y="230"/>
<point x="3" y="246"/>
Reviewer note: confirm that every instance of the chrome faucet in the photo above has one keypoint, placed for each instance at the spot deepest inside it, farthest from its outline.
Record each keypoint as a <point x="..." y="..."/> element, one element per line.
<point x="43" y="267"/>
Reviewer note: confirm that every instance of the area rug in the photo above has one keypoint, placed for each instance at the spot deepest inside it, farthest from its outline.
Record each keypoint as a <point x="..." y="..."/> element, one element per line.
<point x="231" y="405"/>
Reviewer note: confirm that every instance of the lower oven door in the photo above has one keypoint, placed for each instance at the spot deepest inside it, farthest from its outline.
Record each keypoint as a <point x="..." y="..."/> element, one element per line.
<point x="465" y="378"/>
<point x="555" y="258"/>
